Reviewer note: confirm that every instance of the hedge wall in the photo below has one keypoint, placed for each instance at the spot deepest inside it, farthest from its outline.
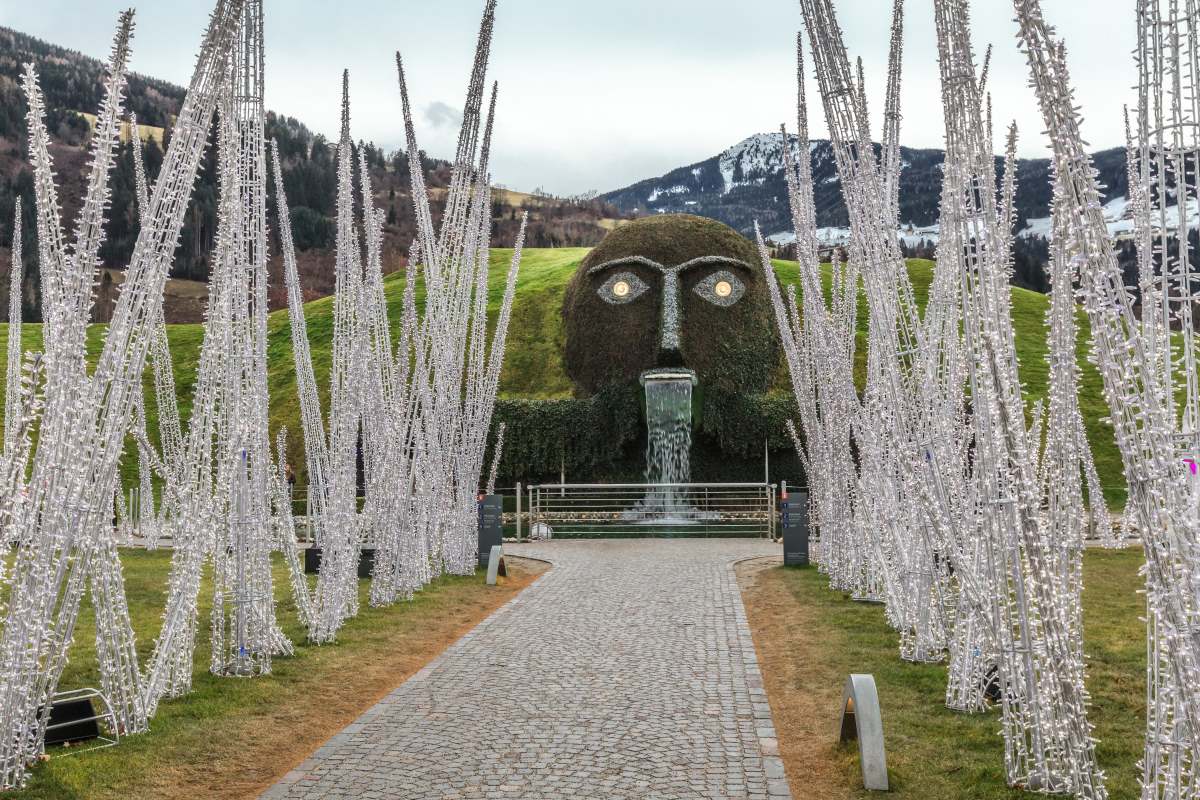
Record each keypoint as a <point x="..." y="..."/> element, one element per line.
<point x="603" y="438"/>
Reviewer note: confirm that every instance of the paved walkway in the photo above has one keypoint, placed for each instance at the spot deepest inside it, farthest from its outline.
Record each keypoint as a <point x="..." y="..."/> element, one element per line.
<point x="626" y="671"/>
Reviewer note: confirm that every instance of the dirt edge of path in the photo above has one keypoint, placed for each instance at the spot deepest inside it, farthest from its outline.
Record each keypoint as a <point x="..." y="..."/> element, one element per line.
<point x="277" y="745"/>
<point x="803" y="691"/>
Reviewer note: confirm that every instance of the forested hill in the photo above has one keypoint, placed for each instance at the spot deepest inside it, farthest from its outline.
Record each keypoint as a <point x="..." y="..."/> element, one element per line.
<point x="73" y="86"/>
<point x="746" y="184"/>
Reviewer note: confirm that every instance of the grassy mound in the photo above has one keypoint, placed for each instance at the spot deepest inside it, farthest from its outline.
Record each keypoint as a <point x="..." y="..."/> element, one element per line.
<point x="534" y="367"/>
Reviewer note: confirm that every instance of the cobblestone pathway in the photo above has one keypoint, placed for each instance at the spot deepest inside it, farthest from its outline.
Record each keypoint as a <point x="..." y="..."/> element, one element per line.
<point x="626" y="671"/>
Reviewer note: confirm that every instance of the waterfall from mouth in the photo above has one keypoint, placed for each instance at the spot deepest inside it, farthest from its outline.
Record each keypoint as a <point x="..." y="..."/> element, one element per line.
<point x="669" y="442"/>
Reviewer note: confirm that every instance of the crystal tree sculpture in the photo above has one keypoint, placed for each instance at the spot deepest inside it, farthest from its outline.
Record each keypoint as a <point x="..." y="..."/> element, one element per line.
<point x="1029" y="585"/>
<point x="1139" y="359"/>
<point x="455" y="370"/>
<point x="429" y="400"/>
<point x="85" y="419"/>
<point x="433" y="396"/>
<point x="819" y="344"/>
<point x="950" y="492"/>
<point x="338" y="534"/>
<point x="905" y="382"/>
<point x="244" y="629"/>
<point x="218" y="495"/>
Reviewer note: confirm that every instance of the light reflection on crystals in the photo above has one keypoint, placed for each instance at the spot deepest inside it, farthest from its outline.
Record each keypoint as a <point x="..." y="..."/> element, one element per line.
<point x="623" y="287"/>
<point x="722" y="288"/>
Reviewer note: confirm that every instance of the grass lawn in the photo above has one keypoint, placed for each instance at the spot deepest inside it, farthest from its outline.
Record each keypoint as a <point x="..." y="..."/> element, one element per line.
<point x="233" y="737"/>
<point x="810" y="638"/>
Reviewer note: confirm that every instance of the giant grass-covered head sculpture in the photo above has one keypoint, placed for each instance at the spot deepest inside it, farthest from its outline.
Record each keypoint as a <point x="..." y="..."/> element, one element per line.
<point x="671" y="292"/>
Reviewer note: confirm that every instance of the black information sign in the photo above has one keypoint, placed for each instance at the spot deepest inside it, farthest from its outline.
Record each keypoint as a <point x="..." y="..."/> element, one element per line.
<point x="366" y="561"/>
<point x="491" y="526"/>
<point x="794" y="523"/>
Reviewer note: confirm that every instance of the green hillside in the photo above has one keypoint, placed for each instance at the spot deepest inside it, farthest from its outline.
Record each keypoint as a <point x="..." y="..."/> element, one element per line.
<point x="533" y="367"/>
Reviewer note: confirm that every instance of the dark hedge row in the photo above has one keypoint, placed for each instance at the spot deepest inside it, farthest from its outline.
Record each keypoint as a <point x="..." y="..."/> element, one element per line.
<point x="603" y="438"/>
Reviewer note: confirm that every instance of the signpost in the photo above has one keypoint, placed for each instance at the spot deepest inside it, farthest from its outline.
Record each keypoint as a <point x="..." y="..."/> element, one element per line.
<point x="793" y="509"/>
<point x="491" y="525"/>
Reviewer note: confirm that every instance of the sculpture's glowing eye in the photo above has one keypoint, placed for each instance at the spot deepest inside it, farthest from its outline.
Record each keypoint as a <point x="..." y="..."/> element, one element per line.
<point x="624" y="287"/>
<point x="722" y="288"/>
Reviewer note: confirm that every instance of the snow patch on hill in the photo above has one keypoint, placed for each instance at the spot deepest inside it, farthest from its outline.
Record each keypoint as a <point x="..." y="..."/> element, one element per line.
<point x="752" y="161"/>
<point x="1119" y="217"/>
<point x="911" y="235"/>
<point x="657" y="193"/>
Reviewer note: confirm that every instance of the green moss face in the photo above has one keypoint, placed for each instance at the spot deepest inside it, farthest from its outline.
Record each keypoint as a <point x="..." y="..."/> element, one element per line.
<point x="671" y="291"/>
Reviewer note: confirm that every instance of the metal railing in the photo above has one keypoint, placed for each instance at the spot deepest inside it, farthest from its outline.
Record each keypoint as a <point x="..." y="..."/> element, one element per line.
<point x="637" y="509"/>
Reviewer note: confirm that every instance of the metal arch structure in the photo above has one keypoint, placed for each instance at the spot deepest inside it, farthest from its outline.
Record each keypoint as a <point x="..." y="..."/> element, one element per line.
<point x="862" y="721"/>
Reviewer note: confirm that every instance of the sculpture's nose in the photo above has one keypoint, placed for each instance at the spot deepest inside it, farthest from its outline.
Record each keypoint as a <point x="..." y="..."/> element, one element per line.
<point x="671" y="322"/>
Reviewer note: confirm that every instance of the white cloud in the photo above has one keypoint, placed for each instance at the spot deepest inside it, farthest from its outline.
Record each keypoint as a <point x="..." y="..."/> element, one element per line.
<point x="441" y="115"/>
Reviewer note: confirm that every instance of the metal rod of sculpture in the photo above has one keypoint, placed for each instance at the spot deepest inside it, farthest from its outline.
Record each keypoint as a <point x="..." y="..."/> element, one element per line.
<point x="316" y="453"/>
<point x="12" y="390"/>
<point x="497" y="453"/>
<point x="86" y="417"/>
<point x="19" y="389"/>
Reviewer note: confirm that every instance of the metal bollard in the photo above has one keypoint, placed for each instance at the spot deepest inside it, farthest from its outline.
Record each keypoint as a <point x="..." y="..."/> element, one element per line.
<point x="861" y="720"/>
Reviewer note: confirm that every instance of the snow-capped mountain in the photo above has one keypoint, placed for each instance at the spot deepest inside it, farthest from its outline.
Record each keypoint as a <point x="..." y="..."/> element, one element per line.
<point x="745" y="184"/>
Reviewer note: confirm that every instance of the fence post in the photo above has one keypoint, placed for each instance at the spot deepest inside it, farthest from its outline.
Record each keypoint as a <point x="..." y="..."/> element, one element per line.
<point x="518" y="512"/>
<point x="533" y="513"/>
<point x="783" y="493"/>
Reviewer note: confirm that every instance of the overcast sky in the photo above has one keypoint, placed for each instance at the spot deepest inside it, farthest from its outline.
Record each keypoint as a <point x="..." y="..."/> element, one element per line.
<point x="599" y="94"/>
